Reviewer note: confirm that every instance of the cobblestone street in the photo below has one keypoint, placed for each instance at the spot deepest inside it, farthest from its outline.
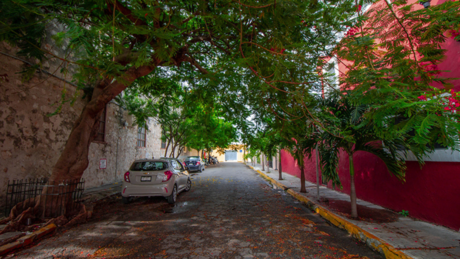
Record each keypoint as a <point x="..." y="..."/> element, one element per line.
<point x="231" y="212"/>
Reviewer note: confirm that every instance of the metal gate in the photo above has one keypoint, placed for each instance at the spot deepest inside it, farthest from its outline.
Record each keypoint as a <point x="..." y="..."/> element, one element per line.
<point x="231" y="155"/>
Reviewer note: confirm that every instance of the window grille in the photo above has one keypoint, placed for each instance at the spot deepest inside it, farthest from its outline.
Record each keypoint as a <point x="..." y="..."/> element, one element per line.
<point x="163" y="143"/>
<point x="141" y="137"/>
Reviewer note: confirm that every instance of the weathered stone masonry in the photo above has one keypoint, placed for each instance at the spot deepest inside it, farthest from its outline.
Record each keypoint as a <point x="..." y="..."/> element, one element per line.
<point x="31" y="141"/>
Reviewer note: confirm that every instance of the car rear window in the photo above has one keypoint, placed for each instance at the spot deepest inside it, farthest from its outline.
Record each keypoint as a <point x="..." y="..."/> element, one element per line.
<point x="193" y="158"/>
<point x="149" y="166"/>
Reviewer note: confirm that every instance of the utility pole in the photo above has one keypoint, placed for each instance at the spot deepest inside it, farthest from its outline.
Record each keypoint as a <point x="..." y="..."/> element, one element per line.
<point x="268" y="164"/>
<point x="262" y="162"/>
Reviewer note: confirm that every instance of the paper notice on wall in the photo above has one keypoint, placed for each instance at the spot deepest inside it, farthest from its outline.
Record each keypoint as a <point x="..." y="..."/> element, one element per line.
<point x="103" y="163"/>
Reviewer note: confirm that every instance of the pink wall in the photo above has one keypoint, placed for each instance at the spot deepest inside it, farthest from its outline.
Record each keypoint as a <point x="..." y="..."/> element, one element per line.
<point x="431" y="193"/>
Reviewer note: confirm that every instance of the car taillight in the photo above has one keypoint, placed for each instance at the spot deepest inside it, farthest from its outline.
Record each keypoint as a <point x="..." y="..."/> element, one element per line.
<point x="183" y="163"/>
<point x="127" y="177"/>
<point x="167" y="176"/>
<point x="198" y="163"/>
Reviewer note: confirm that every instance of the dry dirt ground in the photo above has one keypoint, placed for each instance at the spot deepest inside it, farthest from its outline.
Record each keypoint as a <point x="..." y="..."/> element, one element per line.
<point x="231" y="212"/>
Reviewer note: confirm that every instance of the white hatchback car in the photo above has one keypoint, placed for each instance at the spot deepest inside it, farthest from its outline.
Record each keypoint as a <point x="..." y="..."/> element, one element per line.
<point x="155" y="177"/>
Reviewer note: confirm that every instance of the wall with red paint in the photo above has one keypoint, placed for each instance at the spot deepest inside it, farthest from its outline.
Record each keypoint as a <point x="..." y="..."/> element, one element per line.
<point x="431" y="193"/>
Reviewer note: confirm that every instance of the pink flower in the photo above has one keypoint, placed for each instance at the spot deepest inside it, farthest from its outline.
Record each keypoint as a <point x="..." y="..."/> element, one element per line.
<point x="447" y="108"/>
<point x="422" y="97"/>
<point x="359" y="8"/>
<point x="454" y="33"/>
<point x="282" y="51"/>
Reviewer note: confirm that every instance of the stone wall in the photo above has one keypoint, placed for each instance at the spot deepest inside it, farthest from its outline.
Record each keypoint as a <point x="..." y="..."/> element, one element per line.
<point x="120" y="147"/>
<point x="31" y="141"/>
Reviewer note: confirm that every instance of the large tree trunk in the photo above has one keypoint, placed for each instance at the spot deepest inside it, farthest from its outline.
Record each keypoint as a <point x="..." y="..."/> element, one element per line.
<point x="167" y="147"/>
<point x="180" y="151"/>
<point x="354" y="207"/>
<point x="262" y="162"/>
<point x="173" y="150"/>
<point x="267" y="163"/>
<point x="302" y="180"/>
<point x="300" y="163"/>
<point x="74" y="158"/>
<point x="279" y="167"/>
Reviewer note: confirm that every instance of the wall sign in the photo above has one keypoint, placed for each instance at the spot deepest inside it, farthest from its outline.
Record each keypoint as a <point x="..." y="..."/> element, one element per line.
<point x="241" y="151"/>
<point x="103" y="163"/>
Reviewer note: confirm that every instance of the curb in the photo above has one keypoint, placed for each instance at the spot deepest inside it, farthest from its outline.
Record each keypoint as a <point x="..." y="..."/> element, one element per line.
<point x="362" y="235"/>
<point x="27" y="239"/>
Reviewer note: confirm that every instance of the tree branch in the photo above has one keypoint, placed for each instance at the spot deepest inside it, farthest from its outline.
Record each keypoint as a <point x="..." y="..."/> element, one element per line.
<point x="193" y="62"/>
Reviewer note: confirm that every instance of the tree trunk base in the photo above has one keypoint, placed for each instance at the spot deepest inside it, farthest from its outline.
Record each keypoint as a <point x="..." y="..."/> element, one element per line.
<point x="19" y="215"/>
<point x="19" y="221"/>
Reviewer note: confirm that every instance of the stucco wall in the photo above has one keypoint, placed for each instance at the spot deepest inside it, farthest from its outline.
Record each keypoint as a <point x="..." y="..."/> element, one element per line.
<point x="221" y="157"/>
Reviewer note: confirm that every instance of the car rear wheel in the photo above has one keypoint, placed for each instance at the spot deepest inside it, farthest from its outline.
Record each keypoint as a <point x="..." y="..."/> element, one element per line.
<point x="173" y="197"/>
<point x="201" y="169"/>
<point x="126" y="200"/>
<point x="189" y="185"/>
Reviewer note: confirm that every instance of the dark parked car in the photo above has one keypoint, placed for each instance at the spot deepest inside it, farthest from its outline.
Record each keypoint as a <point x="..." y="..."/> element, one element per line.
<point x="194" y="163"/>
<point x="213" y="160"/>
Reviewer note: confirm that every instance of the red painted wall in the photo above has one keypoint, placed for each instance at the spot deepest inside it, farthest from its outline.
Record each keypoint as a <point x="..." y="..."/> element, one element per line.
<point x="431" y="193"/>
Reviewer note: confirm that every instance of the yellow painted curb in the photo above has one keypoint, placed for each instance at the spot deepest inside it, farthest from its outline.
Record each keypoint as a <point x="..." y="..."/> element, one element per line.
<point x="372" y="241"/>
<point x="27" y="240"/>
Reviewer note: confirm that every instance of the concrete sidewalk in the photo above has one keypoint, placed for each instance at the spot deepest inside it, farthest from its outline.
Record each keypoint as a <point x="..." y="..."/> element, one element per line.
<point x="101" y="192"/>
<point x="403" y="238"/>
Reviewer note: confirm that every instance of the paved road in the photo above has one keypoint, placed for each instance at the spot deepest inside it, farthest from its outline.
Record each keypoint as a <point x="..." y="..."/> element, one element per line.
<point x="230" y="213"/>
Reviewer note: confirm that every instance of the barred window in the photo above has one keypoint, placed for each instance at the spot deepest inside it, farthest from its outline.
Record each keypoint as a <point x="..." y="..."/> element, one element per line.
<point x="100" y="136"/>
<point x="163" y="143"/>
<point x="141" y="137"/>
